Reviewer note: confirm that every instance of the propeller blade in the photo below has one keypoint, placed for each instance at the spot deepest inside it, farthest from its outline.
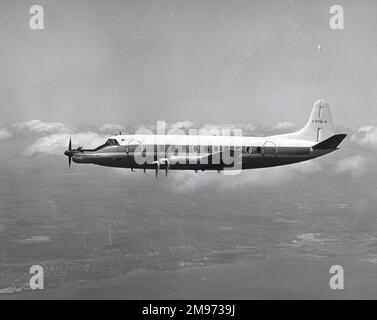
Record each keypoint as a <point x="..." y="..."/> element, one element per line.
<point x="157" y="167"/>
<point x="166" y="167"/>
<point x="69" y="156"/>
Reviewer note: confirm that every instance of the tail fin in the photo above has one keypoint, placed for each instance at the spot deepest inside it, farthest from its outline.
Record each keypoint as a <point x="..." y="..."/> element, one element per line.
<point x="319" y="126"/>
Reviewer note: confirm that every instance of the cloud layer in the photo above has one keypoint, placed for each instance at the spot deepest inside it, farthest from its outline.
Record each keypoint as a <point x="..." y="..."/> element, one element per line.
<point x="55" y="144"/>
<point x="189" y="181"/>
<point x="110" y="128"/>
<point x="285" y="125"/>
<point x="366" y="136"/>
<point x="353" y="160"/>
<point x="354" y="165"/>
<point x="38" y="127"/>
<point x="5" y="134"/>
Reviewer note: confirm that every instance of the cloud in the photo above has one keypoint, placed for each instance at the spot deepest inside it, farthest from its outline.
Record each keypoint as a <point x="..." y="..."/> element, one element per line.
<point x="225" y="129"/>
<point x="55" y="144"/>
<point x="111" y="128"/>
<point x="248" y="128"/>
<point x="185" y="126"/>
<point x="365" y="136"/>
<point x="51" y="138"/>
<point x="353" y="165"/>
<point x="188" y="127"/>
<point x="182" y="125"/>
<point x="307" y="167"/>
<point x="39" y="127"/>
<point x="285" y="125"/>
<point x="5" y="134"/>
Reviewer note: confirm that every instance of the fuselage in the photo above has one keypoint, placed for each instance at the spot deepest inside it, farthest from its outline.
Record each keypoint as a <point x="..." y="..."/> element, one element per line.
<point x="186" y="152"/>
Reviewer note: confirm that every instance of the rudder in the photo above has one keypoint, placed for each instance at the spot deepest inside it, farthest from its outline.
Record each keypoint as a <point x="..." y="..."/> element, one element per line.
<point x="319" y="126"/>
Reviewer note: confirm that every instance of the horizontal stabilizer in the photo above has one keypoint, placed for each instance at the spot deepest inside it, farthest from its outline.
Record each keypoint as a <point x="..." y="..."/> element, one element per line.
<point x="330" y="143"/>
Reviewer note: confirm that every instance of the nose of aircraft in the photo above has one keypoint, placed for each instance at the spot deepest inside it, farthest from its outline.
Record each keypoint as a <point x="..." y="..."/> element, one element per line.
<point x="78" y="155"/>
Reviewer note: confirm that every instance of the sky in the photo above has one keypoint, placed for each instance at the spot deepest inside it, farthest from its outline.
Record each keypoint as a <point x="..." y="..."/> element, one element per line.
<point x="136" y="62"/>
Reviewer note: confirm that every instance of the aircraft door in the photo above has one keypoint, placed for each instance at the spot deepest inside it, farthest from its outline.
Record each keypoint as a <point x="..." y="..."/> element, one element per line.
<point x="134" y="145"/>
<point x="269" y="150"/>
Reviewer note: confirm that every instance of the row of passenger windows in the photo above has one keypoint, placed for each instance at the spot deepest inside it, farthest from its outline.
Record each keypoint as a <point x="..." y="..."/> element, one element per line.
<point x="194" y="148"/>
<point x="210" y="149"/>
<point x="253" y="150"/>
<point x="205" y="149"/>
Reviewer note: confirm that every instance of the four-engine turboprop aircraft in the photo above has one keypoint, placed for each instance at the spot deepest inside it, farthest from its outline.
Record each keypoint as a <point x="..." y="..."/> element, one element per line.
<point x="206" y="152"/>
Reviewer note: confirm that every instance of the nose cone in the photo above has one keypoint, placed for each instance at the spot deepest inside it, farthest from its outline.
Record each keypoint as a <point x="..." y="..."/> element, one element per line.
<point x="68" y="153"/>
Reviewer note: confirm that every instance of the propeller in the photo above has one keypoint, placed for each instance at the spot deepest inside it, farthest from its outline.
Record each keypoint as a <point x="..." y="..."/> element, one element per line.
<point x="70" y="149"/>
<point x="69" y="153"/>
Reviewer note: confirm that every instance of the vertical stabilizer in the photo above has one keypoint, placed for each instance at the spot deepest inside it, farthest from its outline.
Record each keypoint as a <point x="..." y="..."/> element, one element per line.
<point x="319" y="126"/>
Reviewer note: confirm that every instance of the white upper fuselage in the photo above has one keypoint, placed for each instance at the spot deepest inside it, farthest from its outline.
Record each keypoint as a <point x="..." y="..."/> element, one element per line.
<point x="200" y="140"/>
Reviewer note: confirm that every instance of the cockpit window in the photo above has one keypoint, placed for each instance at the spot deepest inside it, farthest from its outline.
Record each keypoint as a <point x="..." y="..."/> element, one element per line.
<point x="112" y="142"/>
<point x="109" y="142"/>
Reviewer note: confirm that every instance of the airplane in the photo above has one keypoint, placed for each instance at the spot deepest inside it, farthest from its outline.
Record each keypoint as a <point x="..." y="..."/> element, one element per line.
<point x="208" y="152"/>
